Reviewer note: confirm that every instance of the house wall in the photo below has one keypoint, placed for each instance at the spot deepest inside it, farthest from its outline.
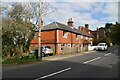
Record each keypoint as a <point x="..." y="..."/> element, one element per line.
<point x="48" y="36"/>
<point x="55" y="38"/>
<point x="70" y="39"/>
<point x="62" y="39"/>
<point x="101" y="34"/>
<point x="74" y="39"/>
<point x="47" y="39"/>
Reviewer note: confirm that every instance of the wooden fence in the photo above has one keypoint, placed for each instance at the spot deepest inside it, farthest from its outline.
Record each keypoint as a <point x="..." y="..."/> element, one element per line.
<point x="75" y="50"/>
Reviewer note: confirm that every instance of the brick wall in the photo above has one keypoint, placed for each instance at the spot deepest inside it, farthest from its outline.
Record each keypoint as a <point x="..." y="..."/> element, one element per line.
<point x="54" y="39"/>
<point x="101" y="34"/>
<point x="62" y="39"/>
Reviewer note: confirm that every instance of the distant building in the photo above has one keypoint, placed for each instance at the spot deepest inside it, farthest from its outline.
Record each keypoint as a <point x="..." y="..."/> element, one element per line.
<point x="101" y="33"/>
<point x="94" y="33"/>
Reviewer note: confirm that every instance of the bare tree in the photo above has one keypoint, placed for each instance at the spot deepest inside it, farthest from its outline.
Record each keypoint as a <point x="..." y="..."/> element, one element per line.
<point x="38" y="10"/>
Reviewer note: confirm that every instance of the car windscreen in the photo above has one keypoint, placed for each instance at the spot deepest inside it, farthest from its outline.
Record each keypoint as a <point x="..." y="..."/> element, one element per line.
<point x="48" y="47"/>
<point x="101" y="44"/>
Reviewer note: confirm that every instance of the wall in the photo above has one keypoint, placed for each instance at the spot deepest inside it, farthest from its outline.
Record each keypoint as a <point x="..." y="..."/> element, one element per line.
<point x="46" y="37"/>
<point x="62" y="39"/>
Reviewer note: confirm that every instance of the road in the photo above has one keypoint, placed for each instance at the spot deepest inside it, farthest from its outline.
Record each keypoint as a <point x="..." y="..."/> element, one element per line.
<point x="97" y="64"/>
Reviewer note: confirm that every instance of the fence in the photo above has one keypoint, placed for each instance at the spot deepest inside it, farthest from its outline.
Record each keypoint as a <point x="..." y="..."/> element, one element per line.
<point x="75" y="50"/>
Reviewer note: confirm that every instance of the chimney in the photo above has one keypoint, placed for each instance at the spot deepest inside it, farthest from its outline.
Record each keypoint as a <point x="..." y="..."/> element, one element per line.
<point x="70" y="22"/>
<point x="87" y="26"/>
<point x="80" y="28"/>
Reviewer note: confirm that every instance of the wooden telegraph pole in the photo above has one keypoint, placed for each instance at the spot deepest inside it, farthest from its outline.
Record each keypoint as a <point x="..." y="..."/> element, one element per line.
<point x="39" y="34"/>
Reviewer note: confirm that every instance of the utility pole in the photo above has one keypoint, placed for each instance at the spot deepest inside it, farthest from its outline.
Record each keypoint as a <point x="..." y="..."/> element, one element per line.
<point x="39" y="34"/>
<point x="40" y="27"/>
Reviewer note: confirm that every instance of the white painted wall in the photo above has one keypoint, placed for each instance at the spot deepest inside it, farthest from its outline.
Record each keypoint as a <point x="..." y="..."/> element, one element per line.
<point x="91" y="47"/>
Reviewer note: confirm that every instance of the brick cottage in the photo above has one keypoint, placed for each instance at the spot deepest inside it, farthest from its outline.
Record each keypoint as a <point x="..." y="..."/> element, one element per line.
<point x="63" y="38"/>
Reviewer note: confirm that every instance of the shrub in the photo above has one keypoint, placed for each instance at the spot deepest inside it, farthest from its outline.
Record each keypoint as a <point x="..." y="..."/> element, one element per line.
<point x="19" y="59"/>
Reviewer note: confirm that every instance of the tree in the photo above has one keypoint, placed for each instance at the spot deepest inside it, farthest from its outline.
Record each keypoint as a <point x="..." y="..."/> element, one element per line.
<point x="115" y="33"/>
<point x="38" y="10"/>
<point x="17" y="33"/>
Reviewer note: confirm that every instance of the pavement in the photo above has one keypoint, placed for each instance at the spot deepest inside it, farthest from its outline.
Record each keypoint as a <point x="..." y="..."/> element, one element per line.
<point x="62" y="56"/>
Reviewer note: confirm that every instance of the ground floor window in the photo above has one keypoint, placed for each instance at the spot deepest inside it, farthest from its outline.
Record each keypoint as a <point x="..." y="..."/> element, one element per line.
<point x="76" y="45"/>
<point x="91" y="42"/>
<point x="62" y="47"/>
<point x="81" y="45"/>
<point x="69" y="45"/>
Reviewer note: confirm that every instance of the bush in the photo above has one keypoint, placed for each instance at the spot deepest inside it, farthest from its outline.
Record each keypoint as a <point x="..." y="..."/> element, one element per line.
<point x="19" y="59"/>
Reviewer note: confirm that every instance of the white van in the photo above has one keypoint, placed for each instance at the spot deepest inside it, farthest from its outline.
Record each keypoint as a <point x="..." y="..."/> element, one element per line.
<point x="101" y="46"/>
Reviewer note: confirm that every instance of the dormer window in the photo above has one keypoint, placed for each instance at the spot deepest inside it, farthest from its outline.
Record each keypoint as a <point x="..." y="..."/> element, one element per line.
<point x="76" y="36"/>
<point x="86" y="38"/>
<point x="89" y="32"/>
<point x="81" y="36"/>
<point x="65" y="34"/>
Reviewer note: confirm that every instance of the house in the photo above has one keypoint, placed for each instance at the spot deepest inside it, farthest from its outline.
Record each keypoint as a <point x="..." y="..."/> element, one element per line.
<point x="86" y="30"/>
<point x="62" y="38"/>
<point x="101" y="34"/>
<point x="94" y="33"/>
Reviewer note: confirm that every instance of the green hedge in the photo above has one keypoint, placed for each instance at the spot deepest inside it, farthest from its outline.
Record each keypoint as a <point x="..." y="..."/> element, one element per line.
<point x="17" y="60"/>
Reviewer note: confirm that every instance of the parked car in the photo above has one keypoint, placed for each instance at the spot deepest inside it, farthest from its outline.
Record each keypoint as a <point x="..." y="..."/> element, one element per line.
<point x="101" y="46"/>
<point x="45" y="50"/>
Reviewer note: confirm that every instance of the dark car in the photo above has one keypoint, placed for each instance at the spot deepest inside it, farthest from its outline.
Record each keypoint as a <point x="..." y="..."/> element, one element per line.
<point x="45" y="50"/>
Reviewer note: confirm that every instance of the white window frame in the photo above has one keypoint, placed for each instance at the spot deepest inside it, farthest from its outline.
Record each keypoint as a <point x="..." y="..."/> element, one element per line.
<point x="69" y="45"/>
<point x="81" y="45"/>
<point x="62" y="46"/>
<point x="65" y="34"/>
<point x="89" y="32"/>
<point x="76" y="46"/>
<point x="86" y="38"/>
<point x="81" y="36"/>
<point x="77" y="36"/>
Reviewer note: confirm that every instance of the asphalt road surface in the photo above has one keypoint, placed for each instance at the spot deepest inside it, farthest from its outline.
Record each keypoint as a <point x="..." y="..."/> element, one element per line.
<point x="97" y="64"/>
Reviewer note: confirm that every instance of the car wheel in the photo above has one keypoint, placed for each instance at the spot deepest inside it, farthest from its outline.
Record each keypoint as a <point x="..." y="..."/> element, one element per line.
<point x="51" y="54"/>
<point x="43" y="54"/>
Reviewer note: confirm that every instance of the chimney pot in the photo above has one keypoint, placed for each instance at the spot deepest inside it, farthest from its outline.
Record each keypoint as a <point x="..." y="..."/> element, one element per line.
<point x="70" y="22"/>
<point x="87" y="26"/>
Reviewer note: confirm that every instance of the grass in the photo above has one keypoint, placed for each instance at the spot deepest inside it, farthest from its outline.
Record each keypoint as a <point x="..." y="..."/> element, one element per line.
<point x="19" y="60"/>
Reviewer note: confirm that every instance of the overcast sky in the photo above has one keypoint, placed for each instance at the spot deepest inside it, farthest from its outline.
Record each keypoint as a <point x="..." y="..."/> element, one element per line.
<point x="94" y="13"/>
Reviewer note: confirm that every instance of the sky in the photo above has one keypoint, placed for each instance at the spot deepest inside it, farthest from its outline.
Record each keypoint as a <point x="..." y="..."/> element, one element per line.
<point x="95" y="13"/>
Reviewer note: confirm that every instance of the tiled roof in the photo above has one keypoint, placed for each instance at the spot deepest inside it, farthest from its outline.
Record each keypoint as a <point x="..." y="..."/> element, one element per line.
<point x="57" y="25"/>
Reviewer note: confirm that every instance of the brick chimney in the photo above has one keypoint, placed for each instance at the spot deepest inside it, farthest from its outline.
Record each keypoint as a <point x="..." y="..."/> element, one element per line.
<point x="79" y="28"/>
<point x="70" y="22"/>
<point x="87" y="26"/>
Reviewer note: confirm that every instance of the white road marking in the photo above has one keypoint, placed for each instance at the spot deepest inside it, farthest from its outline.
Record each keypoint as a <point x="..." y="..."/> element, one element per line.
<point x="107" y="54"/>
<point x="92" y="60"/>
<point x="53" y="73"/>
